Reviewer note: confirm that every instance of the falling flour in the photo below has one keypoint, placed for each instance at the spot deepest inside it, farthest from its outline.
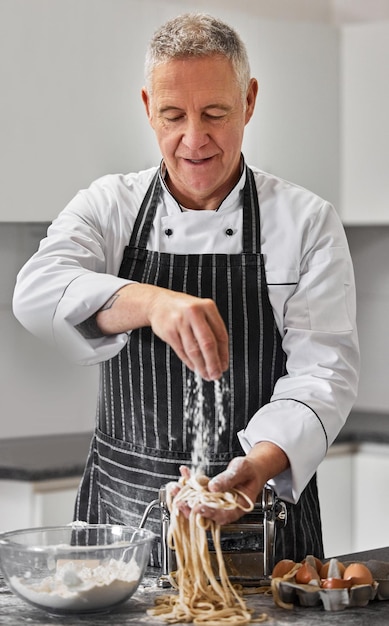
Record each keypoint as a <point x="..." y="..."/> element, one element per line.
<point x="81" y="588"/>
<point x="197" y="410"/>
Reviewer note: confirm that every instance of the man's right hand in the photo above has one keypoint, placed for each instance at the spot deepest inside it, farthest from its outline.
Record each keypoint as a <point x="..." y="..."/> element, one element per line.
<point x="192" y="326"/>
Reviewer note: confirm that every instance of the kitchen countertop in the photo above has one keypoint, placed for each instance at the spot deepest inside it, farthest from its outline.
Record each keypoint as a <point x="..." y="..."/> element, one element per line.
<point x="364" y="427"/>
<point x="14" y="611"/>
<point x="63" y="456"/>
<point x="44" y="458"/>
<point x="60" y="456"/>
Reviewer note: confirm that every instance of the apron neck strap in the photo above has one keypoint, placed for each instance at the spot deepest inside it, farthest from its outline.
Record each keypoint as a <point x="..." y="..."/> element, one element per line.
<point x="251" y="217"/>
<point x="145" y="217"/>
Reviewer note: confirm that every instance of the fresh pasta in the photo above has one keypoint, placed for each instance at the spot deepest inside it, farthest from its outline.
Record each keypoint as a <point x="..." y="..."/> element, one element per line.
<point x="203" y="597"/>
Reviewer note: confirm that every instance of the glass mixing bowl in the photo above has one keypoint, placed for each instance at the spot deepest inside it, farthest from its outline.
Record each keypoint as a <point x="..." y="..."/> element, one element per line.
<point x="80" y="568"/>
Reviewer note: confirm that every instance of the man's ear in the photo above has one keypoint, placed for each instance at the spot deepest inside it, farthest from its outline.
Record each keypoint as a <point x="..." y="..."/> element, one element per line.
<point x="251" y="98"/>
<point x="146" y="102"/>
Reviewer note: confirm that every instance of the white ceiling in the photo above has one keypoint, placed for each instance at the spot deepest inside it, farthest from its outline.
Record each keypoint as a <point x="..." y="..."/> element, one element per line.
<point x="359" y="10"/>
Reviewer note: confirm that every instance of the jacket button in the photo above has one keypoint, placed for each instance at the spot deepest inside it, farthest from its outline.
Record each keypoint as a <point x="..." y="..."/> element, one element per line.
<point x="229" y="232"/>
<point x="168" y="232"/>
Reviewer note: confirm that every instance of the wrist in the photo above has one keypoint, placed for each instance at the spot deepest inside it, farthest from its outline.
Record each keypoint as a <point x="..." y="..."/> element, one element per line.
<point x="269" y="459"/>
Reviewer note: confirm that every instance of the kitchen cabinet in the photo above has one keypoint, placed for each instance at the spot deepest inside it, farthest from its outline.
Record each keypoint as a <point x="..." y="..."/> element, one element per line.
<point x="39" y="477"/>
<point x="365" y="123"/>
<point x="71" y="111"/>
<point x="27" y="504"/>
<point x="68" y="111"/>
<point x="71" y="75"/>
<point x="371" y="504"/>
<point x="294" y="132"/>
<point x="335" y="477"/>
<point x="352" y="483"/>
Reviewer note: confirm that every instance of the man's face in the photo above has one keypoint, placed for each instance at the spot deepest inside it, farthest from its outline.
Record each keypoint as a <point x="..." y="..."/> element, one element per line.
<point x="198" y="114"/>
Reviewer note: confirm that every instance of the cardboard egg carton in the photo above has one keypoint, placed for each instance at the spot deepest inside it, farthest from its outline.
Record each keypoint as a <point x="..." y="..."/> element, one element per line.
<point x="287" y="592"/>
<point x="332" y="599"/>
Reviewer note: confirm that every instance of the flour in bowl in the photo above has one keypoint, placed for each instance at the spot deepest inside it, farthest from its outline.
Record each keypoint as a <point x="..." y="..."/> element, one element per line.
<point x="78" y="587"/>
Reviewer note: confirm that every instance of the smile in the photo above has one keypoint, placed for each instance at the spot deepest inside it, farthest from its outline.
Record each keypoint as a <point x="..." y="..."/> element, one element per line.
<point x="198" y="161"/>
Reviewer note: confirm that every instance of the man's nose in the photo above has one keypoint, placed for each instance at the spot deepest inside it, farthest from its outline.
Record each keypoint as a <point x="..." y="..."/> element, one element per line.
<point x="195" y="135"/>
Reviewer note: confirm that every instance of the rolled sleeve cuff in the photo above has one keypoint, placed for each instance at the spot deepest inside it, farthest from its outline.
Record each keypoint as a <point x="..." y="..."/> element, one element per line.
<point x="85" y="295"/>
<point x="296" y="429"/>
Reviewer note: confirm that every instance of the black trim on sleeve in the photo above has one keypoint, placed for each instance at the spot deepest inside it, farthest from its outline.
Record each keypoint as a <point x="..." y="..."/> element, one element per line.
<point x="308" y="407"/>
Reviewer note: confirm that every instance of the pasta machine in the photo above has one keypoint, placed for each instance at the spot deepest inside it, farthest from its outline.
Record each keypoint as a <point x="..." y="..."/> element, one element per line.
<point x="248" y="545"/>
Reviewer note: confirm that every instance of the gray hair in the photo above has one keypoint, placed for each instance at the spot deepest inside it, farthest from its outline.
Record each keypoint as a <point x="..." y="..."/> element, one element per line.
<point x="197" y="35"/>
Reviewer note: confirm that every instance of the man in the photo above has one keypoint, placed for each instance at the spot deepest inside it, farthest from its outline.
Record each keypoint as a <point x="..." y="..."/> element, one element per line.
<point x="202" y="265"/>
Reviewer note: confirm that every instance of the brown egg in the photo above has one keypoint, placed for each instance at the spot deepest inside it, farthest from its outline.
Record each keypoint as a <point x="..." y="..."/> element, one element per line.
<point x="359" y="574"/>
<point x="335" y="583"/>
<point x="307" y="575"/>
<point x="282" y="567"/>
<point x="324" y="570"/>
<point x="314" y="561"/>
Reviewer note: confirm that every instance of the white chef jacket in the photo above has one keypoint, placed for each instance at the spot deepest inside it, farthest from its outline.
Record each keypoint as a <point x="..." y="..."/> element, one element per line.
<point x="311" y="288"/>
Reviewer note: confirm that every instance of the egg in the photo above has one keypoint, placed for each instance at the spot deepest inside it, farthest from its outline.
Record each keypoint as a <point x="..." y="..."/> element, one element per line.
<point x="307" y="575"/>
<point x="314" y="561"/>
<point x="337" y="569"/>
<point x="359" y="574"/>
<point x="282" y="567"/>
<point x="335" y="583"/>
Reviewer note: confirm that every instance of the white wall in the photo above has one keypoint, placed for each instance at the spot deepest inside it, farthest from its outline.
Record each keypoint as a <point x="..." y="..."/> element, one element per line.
<point x="70" y="81"/>
<point x="71" y="72"/>
<point x="39" y="392"/>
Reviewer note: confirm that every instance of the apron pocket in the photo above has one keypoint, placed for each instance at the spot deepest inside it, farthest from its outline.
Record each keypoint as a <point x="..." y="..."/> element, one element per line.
<point x="129" y="477"/>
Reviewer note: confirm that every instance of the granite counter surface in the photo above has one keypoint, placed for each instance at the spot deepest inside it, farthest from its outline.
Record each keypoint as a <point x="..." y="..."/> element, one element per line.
<point x="14" y="612"/>
<point x="365" y="427"/>
<point x="44" y="458"/>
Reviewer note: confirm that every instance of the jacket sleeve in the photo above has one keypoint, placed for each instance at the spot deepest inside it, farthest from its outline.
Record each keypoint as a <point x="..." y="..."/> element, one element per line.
<point x="73" y="273"/>
<point x="311" y="403"/>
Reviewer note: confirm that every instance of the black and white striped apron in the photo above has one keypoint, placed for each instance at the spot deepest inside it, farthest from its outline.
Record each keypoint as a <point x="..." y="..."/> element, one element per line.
<point x="141" y="436"/>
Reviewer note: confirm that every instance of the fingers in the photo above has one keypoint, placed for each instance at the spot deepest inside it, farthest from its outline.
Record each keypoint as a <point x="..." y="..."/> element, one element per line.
<point x="204" y="340"/>
<point x="185" y="471"/>
<point x="184" y="508"/>
<point x="241" y="475"/>
<point x="219" y="339"/>
<point x="219" y="516"/>
<point x="235" y="491"/>
<point x="233" y="476"/>
<point x="195" y="330"/>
